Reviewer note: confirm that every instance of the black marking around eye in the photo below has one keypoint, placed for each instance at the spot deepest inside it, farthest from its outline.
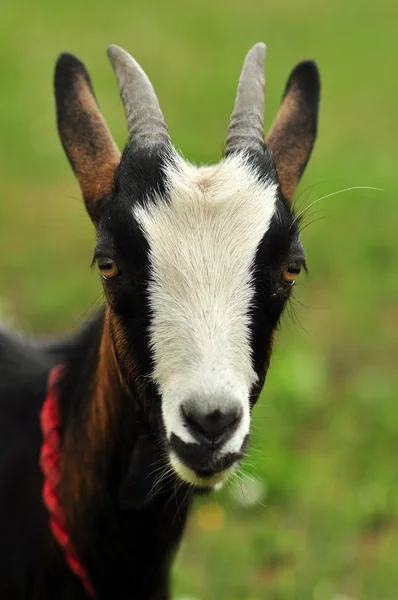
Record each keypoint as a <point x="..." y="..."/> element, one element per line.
<point x="278" y="245"/>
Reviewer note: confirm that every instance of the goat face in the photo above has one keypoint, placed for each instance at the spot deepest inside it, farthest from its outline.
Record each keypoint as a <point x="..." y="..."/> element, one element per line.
<point x="197" y="263"/>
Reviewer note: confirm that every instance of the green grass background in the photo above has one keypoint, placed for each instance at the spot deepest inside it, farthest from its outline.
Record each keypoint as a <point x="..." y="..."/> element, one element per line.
<point x="325" y="439"/>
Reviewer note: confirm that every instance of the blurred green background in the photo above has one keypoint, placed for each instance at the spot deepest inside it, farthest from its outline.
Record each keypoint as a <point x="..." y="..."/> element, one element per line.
<point x="321" y="478"/>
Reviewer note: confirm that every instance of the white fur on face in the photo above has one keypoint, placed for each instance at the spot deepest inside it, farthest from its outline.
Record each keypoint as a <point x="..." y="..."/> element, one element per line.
<point x="203" y="241"/>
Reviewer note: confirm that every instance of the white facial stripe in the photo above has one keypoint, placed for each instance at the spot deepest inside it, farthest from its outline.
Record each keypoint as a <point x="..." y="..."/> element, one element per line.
<point x="234" y="444"/>
<point x="203" y="241"/>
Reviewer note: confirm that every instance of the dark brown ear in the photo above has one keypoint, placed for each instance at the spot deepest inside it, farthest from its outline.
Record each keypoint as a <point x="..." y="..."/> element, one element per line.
<point x="85" y="137"/>
<point x="293" y="133"/>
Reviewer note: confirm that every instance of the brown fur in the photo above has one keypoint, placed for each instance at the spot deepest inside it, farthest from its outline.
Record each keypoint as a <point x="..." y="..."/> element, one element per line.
<point x="91" y="150"/>
<point x="125" y="358"/>
<point x="87" y="442"/>
<point x="290" y="140"/>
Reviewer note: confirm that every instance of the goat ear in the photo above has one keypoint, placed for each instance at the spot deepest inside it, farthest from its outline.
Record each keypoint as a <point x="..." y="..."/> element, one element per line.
<point x="293" y="133"/>
<point x="85" y="137"/>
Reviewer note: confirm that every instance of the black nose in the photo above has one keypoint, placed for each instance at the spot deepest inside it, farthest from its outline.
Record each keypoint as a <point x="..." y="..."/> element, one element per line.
<point x="214" y="427"/>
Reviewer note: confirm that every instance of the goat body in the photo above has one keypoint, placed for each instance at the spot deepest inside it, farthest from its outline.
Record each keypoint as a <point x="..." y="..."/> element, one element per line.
<point x="125" y="540"/>
<point x="157" y="390"/>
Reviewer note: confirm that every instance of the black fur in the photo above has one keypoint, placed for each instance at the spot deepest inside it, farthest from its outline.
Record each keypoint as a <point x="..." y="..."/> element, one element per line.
<point x="279" y="247"/>
<point x="126" y="525"/>
<point x="197" y="457"/>
<point x="127" y="537"/>
<point x="126" y="540"/>
<point x="140" y="178"/>
<point x="140" y="175"/>
<point x="127" y="534"/>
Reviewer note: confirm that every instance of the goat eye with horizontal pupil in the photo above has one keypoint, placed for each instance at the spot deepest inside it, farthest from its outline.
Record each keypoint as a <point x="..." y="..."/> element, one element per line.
<point x="108" y="268"/>
<point x="291" y="273"/>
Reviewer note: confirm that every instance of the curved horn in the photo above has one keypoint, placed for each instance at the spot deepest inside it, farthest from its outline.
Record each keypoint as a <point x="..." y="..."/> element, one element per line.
<point x="145" y="121"/>
<point x="246" y="128"/>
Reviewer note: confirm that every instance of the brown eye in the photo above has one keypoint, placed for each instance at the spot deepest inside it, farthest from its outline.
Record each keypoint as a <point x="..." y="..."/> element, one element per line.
<point x="108" y="268"/>
<point x="291" y="273"/>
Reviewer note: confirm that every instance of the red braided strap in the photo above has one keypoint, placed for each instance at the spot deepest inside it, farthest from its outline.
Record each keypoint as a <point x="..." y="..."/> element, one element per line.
<point x="50" y="459"/>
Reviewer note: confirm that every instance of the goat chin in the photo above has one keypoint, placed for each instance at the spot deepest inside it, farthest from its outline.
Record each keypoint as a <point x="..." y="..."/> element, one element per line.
<point x="214" y="481"/>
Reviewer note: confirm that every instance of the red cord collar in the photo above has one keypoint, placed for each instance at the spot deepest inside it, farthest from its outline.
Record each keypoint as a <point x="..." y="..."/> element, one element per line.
<point x="50" y="459"/>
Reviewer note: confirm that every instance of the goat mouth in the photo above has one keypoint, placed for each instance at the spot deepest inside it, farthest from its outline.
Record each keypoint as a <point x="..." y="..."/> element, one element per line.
<point x="200" y="478"/>
<point x="202" y="466"/>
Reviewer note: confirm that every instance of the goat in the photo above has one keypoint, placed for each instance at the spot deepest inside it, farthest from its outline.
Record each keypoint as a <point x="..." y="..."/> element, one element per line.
<point x="157" y="390"/>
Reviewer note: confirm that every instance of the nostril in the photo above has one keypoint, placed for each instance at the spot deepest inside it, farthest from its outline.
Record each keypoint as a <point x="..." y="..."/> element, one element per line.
<point x="214" y="427"/>
<point x="216" y="421"/>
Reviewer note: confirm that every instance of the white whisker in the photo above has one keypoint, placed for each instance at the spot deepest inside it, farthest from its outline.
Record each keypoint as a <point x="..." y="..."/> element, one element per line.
<point x="357" y="187"/>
